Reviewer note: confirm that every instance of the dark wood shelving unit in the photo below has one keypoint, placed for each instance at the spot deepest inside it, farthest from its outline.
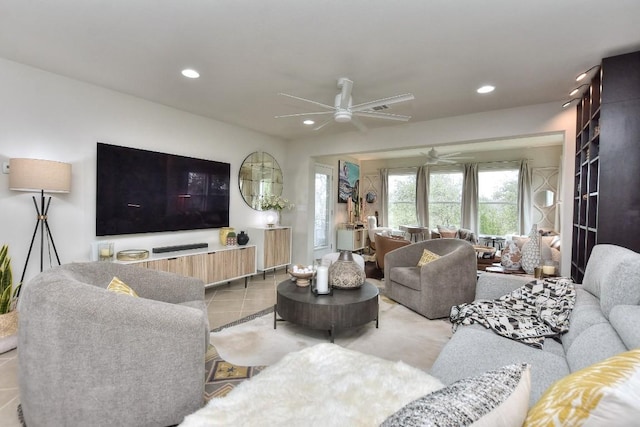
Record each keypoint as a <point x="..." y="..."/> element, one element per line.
<point x="606" y="202"/>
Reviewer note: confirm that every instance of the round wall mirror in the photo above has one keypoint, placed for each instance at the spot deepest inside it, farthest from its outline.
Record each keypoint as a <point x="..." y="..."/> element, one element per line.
<point x="544" y="198"/>
<point x="260" y="175"/>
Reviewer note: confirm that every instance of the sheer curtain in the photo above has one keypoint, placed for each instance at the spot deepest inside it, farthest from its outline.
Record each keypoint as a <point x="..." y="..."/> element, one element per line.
<point x="470" y="197"/>
<point x="525" y="198"/>
<point x="384" y="196"/>
<point x="422" y="196"/>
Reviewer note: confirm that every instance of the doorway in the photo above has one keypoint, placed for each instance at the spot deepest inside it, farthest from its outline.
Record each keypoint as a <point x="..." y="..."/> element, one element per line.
<point x="323" y="216"/>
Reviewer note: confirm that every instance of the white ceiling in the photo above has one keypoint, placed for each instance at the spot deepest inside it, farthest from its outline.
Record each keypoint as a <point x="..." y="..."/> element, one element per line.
<point x="247" y="51"/>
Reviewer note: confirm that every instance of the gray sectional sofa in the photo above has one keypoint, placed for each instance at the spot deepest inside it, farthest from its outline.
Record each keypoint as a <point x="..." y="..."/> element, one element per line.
<point x="604" y="322"/>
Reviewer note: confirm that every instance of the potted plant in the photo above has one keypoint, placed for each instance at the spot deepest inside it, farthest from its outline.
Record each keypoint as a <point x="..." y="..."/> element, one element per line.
<point x="8" y="300"/>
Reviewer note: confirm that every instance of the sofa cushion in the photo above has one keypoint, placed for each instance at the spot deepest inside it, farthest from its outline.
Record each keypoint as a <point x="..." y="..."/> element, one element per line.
<point x="594" y="344"/>
<point x="495" y="398"/>
<point x="119" y="287"/>
<point x="406" y="276"/>
<point x="613" y="274"/>
<point x="448" y="232"/>
<point x="585" y="314"/>
<point x="427" y="257"/>
<point x="473" y="350"/>
<point x="604" y="394"/>
<point x="625" y="320"/>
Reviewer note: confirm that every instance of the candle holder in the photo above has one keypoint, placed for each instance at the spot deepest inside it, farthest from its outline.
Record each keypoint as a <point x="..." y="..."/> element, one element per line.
<point x="314" y="288"/>
<point x="105" y="251"/>
<point x="320" y="283"/>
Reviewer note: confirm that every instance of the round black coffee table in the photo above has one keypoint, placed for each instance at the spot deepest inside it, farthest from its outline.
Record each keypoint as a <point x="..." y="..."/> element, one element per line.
<point x="346" y="308"/>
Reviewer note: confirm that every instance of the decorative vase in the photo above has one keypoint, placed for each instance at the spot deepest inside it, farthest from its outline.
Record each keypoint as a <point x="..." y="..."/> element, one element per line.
<point x="8" y="331"/>
<point x="223" y="234"/>
<point x="531" y="251"/>
<point x="345" y="273"/>
<point x="273" y="218"/>
<point x="231" y="238"/>
<point x="242" y="238"/>
<point x="511" y="256"/>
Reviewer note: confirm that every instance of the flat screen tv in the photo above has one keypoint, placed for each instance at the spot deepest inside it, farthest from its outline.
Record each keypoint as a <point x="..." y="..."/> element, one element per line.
<point x="140" y="191"/>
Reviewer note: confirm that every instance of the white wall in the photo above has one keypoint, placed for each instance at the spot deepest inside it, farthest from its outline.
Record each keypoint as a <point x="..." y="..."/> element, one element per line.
<point x="522" y="121"/>
<point x="47" y="116"/>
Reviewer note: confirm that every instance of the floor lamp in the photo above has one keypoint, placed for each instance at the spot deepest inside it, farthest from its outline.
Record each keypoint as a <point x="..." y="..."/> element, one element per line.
<point x="42" y="176"/>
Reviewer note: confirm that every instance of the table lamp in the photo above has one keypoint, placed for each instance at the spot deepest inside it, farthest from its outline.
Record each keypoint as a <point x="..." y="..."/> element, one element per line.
<point x="43" y="176"/>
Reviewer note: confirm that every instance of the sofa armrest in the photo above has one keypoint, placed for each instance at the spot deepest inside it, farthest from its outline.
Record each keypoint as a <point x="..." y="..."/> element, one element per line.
<point x="148" y="283"/>
<point x="404" y="256"/>
<point x="494" y="285"/>
<point x="164" y="286"/>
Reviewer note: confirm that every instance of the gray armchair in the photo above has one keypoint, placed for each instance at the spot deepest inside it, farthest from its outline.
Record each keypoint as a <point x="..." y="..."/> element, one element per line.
<point x="88" y="356"/>
<point x="432" y="289"/>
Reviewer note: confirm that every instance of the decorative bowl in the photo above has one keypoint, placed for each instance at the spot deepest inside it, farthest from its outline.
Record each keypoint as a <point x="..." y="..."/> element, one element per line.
<point x="302" y="279"/>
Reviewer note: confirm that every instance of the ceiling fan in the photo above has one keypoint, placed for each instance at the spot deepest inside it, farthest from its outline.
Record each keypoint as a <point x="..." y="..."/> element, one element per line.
<point x="434" y="158"/>
<point x="344" y="111"/>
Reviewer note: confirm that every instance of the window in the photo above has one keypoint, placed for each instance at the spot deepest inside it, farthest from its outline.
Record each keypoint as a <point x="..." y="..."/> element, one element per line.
<point x="445" y="198"/>
<point x="498" y="202"/>
<point x="401" y="204"/>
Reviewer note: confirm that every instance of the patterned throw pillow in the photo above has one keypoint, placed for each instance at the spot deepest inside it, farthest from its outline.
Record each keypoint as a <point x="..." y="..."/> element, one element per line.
<point x="448" y="232"/>
<point x="603" y="394"/>
<point x="119" y="287"/>
<point x="495" y="398"/>
<point x="427" y="257"/>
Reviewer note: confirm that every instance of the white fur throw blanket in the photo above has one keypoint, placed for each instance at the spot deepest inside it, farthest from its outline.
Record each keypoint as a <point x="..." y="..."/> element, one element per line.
<point x="324" y="385"/>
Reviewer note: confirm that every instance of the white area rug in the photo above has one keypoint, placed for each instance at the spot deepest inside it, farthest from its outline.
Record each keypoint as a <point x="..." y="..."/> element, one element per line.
<point x="403" y="335"/>
<point x="324" y="385"/>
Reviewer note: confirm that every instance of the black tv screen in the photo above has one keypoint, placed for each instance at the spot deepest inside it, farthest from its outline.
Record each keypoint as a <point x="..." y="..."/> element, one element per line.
<point x="140" y="191"/>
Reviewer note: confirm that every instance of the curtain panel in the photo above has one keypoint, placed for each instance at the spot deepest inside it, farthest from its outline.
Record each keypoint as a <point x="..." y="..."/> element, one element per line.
<point x="470" y="197"/>
<point x="422" y="196"/>
<point x="525" y="198"/>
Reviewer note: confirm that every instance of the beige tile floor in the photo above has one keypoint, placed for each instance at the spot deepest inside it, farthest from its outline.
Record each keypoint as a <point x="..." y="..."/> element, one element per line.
<point x="225" y="303"/>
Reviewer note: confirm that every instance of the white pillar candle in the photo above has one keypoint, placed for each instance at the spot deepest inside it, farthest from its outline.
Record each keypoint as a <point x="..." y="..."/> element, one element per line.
<point x="322" y="278"/>
<point x="548" y="269"/>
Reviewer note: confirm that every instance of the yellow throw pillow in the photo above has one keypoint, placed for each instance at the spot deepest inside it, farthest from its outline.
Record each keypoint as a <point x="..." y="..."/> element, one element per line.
<point x="606" y="393"/>
<point x="427" y="257"/>
<point x="119" y="287"/>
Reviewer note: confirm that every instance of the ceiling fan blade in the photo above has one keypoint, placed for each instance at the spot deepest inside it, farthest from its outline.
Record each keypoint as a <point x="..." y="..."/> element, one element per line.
<point x="323" y="124"/>
<point x="304" y="114"/>
<point x="357" y="123"/>
<point x="384" y="101"/>
<point x="449" y="155"/>
<point x="345" y="96"/>
<point x="328" y="107"/>
<point x="378" y="115"/>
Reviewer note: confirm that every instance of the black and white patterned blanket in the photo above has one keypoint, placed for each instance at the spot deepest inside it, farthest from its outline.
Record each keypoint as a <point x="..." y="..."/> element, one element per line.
<point x="530" y="313"/>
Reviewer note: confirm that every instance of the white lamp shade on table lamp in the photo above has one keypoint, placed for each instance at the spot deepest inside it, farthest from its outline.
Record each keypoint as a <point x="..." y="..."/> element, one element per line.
<point x="37" y="175"/>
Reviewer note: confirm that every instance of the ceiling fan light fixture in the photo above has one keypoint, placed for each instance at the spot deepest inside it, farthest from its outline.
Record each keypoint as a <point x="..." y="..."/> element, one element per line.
<point x="308" y="122"/>
<point x="486" y="89"/>
<point x="342" y="116"/>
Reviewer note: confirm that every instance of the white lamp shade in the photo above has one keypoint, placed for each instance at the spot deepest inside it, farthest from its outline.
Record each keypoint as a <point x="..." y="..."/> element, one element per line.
<point x="36" y="175"/>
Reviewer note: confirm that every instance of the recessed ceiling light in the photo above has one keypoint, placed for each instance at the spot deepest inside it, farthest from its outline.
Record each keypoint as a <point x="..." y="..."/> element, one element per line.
<point x="486" y="89"/>
<point x="308" y="122"/>
<point x="192" y="74"/>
